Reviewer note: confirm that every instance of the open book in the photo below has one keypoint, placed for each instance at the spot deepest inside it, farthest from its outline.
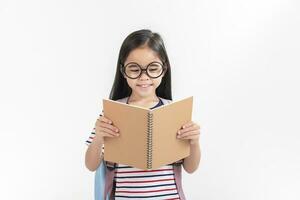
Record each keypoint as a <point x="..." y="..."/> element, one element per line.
<point x="148" y="138"/>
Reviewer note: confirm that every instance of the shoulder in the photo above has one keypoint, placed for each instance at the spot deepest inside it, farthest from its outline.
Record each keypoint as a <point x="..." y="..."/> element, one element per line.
<point x="124" y="100"/>
<point x="165" y="101"/>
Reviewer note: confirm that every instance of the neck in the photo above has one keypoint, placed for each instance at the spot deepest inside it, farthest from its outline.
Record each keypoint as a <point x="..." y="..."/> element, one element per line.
<point x="137" y="98"/>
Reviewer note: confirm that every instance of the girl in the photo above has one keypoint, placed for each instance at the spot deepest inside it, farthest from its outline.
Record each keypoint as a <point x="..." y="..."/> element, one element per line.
<point x="143" y="78"/>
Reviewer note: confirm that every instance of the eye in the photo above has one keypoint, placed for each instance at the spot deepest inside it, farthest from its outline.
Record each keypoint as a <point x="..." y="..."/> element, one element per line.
<point x="134" y="70"/>
<point x="132" y="67"/>
<point x="155" y="67"/>
<point x="153" y="70"/>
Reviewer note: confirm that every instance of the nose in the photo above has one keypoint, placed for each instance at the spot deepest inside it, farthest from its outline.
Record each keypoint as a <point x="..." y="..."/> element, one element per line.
<point x="144" y="75"/>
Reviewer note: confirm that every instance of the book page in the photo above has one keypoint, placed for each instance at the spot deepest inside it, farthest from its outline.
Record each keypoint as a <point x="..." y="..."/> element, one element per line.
<point x="167" y="120"/>
<point x="130" y="147"/>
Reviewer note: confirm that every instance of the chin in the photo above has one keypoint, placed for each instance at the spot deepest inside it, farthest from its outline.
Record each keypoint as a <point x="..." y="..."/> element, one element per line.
<point x="144" y="93"/>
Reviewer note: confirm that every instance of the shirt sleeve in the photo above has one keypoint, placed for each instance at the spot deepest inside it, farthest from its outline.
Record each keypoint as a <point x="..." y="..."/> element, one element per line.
<point x="90" y="139"/>
<point x="92" y="135"/>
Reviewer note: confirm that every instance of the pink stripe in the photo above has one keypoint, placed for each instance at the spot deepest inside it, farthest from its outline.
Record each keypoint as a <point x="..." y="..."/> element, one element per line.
<point x="150" y="191"/>
<point x="158" y="170"/>
<point x="148" y="181"/>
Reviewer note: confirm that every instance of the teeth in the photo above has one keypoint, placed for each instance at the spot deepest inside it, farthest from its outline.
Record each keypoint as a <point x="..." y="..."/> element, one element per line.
<point x="144" y="85"/>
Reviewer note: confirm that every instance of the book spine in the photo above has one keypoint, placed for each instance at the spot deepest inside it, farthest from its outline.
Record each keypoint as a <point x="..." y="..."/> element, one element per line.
<point x="149" y="140"/>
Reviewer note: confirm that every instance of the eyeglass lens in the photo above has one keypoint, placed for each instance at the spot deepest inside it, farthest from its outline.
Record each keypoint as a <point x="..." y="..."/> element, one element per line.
<point x="133" y="70"/>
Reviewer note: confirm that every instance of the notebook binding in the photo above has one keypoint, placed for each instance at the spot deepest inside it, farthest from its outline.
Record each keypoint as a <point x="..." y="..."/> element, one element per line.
<point x="149" y="140"/>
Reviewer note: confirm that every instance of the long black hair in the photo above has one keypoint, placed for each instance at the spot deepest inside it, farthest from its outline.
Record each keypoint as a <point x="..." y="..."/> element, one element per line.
<point x="120" y="88"/>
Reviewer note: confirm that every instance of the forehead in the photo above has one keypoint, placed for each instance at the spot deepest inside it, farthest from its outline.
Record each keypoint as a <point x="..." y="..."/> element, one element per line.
<point x="142" y="55"/>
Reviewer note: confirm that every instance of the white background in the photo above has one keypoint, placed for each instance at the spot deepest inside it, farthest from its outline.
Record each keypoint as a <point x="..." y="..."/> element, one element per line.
<point x="238" y="58"/>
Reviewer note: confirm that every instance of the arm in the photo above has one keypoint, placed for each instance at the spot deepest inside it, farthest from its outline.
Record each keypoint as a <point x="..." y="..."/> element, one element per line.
<point x="94" y="155"/>
<point x="191" y="132"/>
<point x="191" y="163"/>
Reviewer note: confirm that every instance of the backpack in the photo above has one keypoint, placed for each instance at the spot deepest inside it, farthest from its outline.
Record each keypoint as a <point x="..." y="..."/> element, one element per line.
<point x="104" y="175"/>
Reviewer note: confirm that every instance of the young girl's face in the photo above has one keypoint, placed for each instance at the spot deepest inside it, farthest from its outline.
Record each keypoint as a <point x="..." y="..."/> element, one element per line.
<point x="143" y="56"/>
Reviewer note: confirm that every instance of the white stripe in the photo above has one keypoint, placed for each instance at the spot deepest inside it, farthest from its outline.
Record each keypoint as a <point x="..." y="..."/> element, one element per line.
<point x="147" y="194"/>
<point x="153" y="198"/>
<point x="146" y="189"/>
<point x="144" y="178"/>
<point x="150" y="173"/>
<point x="146" y="184"/>
<point x="136" y="169"/>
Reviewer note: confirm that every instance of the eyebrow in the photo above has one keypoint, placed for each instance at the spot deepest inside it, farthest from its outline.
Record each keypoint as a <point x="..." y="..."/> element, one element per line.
<point x="133" y="62"/>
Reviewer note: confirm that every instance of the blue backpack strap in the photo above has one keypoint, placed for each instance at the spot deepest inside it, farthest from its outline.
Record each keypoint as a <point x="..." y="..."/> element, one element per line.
<point x="100" y="181"/>
<point x="103" y="180"/>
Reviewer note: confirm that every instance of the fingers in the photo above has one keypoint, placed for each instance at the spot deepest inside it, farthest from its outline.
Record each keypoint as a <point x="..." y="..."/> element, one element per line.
<point x="189" y="135"/>
<point x="187" y="124"/>
<point x="104" y="119"/>
<point x="107" y="132"/>
<point x="104" y="127"/>
<point x="112" y="128"/>
<point x="109" y="126"/>
<point x="189" y="127"/>
<point x="104" y="122"/>
<point x="192" y="137"/>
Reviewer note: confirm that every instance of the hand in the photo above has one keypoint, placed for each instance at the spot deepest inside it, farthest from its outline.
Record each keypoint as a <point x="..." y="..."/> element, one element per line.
<point x="189" y="131"/>
<point x="104" y="128"/>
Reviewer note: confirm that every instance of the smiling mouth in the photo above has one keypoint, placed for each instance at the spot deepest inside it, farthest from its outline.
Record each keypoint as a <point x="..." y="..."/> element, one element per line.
<point x="144" y="85"/>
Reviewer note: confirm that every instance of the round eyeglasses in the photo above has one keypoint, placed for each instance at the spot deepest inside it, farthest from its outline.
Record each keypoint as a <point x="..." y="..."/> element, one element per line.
<point x="133" y="70"/>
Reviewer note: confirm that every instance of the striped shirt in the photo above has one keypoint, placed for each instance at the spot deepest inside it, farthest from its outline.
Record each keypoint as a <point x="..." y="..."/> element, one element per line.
<point x="134" y="183"/>
<point x="90" y="139"/>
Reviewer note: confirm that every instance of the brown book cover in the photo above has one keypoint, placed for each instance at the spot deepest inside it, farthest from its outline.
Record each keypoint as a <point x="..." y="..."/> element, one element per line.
<point x="148" y="138"/>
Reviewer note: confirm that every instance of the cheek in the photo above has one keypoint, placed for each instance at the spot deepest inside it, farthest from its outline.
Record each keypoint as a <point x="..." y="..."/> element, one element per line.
<point x="130" y="82"/>
<point x="157" y="82"/>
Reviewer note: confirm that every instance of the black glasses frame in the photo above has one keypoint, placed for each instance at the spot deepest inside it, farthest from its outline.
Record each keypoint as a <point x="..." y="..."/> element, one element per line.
<point x="122" y="69"/>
